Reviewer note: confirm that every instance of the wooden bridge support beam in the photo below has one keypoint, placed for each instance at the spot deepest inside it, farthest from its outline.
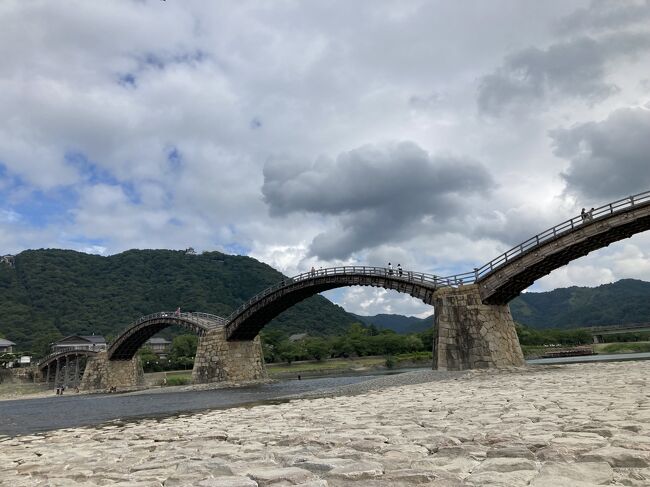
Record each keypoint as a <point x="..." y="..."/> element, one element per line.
<point x="219" y="360"/>
<point x="473" y="335"/>
<point x="103" y="374"/>
<point x="56" y="374"/>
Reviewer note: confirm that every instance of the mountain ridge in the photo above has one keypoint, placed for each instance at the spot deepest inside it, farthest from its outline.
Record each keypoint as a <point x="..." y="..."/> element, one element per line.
<point x="50" y="293"/>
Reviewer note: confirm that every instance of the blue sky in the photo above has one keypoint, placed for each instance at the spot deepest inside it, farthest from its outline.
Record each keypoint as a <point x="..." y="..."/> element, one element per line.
<point x="431" y="133"/>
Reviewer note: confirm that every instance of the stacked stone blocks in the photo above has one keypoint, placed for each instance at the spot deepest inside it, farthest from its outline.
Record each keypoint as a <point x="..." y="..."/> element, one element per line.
<point x="219" y="360"/>
<point x="104" y="374"/>
<point x="473" y="335"/>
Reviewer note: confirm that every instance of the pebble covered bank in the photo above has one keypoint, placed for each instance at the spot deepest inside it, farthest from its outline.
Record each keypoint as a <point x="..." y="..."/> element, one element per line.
<point x="572" y="425"/>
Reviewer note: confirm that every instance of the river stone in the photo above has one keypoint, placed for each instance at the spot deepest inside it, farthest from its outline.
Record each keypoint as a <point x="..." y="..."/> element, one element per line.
<point x="501" y="479"/>
<point x="618" y="457"/>
<point x="511" y="452"/>
<point x="287" y="475"/>
<point x="574" y="474"/>
<point x="229" y="481"/>
<point x="358" y="470"/>
<point x="505" y="465"/>
<point x="322" y="464"/>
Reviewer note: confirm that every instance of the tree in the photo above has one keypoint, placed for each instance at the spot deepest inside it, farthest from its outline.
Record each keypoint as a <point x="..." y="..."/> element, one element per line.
<point x="42" y="344"/>
<point x="184" y="346"/>
<point x="318" y="348"/>
<point x="150" y="361"/>
<point x="287" y="351"/>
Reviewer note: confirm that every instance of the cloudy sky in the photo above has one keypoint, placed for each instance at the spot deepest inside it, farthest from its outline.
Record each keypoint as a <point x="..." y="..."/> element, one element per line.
<point x="435" y="134"/>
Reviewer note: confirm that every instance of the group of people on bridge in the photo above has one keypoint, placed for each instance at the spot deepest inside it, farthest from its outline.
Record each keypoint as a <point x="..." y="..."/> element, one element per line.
<point x="587" y="215"/>
<point x="399" y="269"/>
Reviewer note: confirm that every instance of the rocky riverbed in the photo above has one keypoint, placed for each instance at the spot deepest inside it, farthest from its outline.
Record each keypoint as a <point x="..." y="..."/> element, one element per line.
<point x="572" y="425"/>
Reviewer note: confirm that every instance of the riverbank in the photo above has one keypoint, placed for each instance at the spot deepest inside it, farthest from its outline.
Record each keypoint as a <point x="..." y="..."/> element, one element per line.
<point x="573" y="425"/>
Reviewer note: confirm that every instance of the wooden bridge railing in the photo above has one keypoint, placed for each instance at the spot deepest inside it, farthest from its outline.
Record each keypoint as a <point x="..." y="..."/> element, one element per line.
<point x="466" y="277"/>
<point x="68" y="350"/>
<point x="559" y="230"/>
<point x="395" y="274"/>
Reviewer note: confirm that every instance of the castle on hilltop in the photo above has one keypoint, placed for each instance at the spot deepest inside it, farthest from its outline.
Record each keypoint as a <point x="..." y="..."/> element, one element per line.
<point x="7" y="259"/>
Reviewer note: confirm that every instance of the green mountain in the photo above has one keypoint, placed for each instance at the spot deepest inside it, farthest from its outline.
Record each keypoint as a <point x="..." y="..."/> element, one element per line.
<point x="625" y="301"/>
<point x="397" y="323"/>
<point x="49" y="294"/>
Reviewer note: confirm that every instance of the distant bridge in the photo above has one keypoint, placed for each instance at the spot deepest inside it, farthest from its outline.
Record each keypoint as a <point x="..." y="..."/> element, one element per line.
<point x="136" y="334"/>
<point x="598" y="332"/>
<point x="65" y="367"/>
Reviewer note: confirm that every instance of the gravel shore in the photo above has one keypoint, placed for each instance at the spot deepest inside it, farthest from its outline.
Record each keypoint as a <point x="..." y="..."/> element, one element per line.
<point x="572" y="425"/>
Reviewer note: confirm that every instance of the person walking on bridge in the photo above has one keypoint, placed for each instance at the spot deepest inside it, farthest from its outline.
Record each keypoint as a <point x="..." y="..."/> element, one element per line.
<point x="390" y="269"/>
<point x="399" y="270"/>
<point x="584" y="215"/>
<point x="312" y="271"/>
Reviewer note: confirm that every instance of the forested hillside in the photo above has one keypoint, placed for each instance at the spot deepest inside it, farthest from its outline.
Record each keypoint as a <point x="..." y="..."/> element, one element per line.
<point x="625" y="301"/>
<point x="398" y="323"/>
<point x="49" y="294"/>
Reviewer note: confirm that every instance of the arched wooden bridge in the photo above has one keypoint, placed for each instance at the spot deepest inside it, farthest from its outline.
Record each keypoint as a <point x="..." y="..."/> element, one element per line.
<point x="53" y="357"/>
<point x="499" y="281"/>
<point x="135" y="335"/>
<point x="64" y="367"/>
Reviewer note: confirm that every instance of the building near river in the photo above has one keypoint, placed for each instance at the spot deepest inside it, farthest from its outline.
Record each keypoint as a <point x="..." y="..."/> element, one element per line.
<point x="158" y="345"/>
<point x="95" y="343"/>
<point x="6" y="346"/>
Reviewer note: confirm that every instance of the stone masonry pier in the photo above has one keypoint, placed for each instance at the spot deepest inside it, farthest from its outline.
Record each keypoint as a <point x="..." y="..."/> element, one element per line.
<point x="219" y="360"/>
<point x="103" y="374"/>
<point x="473" y="335"/>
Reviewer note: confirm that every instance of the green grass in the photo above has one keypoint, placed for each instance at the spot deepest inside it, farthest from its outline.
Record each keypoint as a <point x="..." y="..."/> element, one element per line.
<point x="331" y="365"/>
<point x="179" y="379"/>
<point x="341" y="365"/>
<point x="312" y="367"/>
<point x="622" y="347"/>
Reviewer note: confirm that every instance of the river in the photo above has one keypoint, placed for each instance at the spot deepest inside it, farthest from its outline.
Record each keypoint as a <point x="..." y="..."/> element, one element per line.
<point x="27" y="416"/>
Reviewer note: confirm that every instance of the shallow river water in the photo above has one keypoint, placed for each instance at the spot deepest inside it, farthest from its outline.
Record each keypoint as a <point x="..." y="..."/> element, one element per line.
<point x="26" y="416"/>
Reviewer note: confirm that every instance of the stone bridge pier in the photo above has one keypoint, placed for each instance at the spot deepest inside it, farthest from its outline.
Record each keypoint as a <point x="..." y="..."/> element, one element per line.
<point x="473" y="335"/>
<point x="103" y="374"/>
<point x="219" y="360"/>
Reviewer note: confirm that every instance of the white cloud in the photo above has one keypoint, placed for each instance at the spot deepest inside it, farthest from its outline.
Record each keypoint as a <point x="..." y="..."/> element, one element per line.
<point x="173" y="124"/>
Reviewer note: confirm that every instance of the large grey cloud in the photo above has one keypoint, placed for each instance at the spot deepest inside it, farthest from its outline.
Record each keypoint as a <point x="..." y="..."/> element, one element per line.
<point x="605" y="15"/>
<point x="377" y="193"/>
<point x="610" y="158"/>
<point x="575" y="68"/>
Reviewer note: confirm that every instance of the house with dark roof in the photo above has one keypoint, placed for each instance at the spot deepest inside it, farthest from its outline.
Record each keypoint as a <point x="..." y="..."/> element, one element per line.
<point x="6" y="346"/>
<point x="80" y="342"/>
<point x="158" y="345"/>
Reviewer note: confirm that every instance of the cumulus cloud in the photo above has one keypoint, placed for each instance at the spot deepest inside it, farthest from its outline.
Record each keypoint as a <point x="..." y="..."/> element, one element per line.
<point x="605" y="15"/>
<point x="574" y="68"/>
<point x="164" y="124"/>
<point x="378" y="193"/>
<point x="609" y="158"/>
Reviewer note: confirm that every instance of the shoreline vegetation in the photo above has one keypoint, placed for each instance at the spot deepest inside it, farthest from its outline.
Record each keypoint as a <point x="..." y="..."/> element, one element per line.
<point x="314" y="368"/>
<point x="323" y="368"/>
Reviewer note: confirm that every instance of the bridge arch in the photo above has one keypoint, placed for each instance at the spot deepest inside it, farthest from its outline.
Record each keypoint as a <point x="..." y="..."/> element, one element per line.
<point x="506" y="276"/>
<point x="65" y="367"/>
<point x="247" y="320"/>
<point x="136" y="334"/>
<point x="53" y="357"/>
